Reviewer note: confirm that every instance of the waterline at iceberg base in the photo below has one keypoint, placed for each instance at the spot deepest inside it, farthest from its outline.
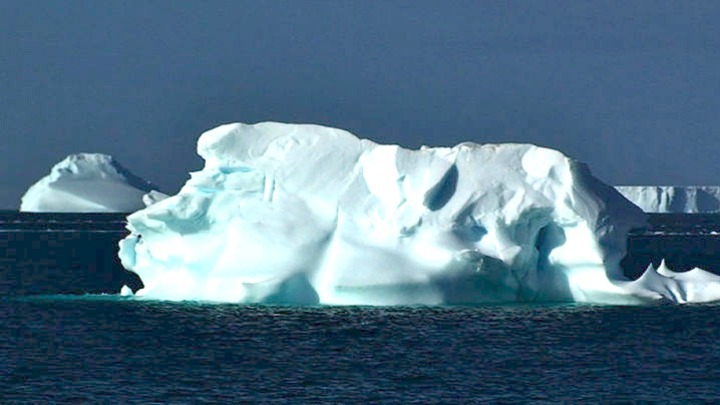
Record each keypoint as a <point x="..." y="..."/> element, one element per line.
<point x="305" y="214"/>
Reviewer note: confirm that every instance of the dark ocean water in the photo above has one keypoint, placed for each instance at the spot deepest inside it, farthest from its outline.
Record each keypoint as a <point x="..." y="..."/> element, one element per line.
<point x="105" y="348"/>
<point x="96" y="349"/>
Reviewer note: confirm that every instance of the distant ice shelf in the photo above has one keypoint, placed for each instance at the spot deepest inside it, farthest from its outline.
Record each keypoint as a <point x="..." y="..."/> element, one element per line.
<point x="305" y="214"/>
<point x="89" y="182"/>
<point x="674" y="199"/>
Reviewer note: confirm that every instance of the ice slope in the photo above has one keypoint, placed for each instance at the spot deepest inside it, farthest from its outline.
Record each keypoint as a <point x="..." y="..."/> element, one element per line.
<point x="87" y="182"/>
<point x="674" y="199"/>
<point x="285" y="213"/>
<point x="153" y="197"/>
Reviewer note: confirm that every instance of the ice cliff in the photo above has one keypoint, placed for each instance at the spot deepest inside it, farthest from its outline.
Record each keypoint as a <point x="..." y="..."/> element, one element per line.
<point x="88" y="182"/>
<point x="674" y="199"/>
<point x="285" y="213"/>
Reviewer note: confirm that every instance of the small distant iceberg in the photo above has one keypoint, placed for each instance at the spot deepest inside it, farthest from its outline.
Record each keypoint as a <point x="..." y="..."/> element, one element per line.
<point x="89" y="182"/>
<point x="674" y="199"/>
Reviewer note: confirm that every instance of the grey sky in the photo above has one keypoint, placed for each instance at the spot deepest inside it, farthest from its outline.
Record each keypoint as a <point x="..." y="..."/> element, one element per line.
<point x="631" y="88"/>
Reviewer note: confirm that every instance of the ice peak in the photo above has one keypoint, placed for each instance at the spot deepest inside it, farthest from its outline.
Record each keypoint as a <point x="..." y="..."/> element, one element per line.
<point x="87" y="182"/>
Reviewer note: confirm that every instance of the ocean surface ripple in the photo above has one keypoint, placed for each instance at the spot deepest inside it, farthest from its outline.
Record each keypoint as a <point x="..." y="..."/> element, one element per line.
<point x="102" y="348"/>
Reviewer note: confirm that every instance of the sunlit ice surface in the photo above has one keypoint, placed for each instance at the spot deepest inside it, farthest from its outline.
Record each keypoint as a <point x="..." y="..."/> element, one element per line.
<point x="304" y="214"/>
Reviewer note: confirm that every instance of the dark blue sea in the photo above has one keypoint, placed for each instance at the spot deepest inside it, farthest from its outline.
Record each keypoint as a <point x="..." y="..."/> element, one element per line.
<point x="108" y="349"/>
<point x="75" y="347"/>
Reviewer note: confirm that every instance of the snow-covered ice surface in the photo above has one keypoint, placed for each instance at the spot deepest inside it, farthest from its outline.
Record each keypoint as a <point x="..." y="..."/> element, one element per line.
<point x="87" y="182"/>
<point x="305" y="214"/>
<point x="674" y="199"/>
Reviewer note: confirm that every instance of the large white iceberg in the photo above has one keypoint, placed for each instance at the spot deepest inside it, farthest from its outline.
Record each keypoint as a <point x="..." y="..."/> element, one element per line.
<point x="674" y="199"/>
<point x="88" y="182"/>
<point x="308" y="214"/>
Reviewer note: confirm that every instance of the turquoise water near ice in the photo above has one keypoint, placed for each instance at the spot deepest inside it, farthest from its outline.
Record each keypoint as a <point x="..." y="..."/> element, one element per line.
<point x="113" y="349"/>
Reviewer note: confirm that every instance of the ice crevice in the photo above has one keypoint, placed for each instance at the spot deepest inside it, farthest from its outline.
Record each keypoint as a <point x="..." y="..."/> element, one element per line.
<point x="305" y="214"/>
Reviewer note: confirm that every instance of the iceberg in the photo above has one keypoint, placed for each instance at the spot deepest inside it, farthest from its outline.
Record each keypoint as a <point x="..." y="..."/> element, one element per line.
<point x="305" y="214"/>
<point x="89" y="182"/>
<point x="674" y="199"/>
<point x="694" y="286"/>
<point x="152" y="197"/>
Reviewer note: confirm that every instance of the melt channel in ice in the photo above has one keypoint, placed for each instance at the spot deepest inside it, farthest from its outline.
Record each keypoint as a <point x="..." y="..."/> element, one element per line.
<point x="89" y="182"/>
<point x="304" y="214"/>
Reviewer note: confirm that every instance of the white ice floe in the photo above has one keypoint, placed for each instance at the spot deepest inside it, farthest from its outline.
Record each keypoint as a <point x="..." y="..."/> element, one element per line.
<point x="87" y="182"/>
<point x="285" y="213"/>
<point x="126" y="291"/>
